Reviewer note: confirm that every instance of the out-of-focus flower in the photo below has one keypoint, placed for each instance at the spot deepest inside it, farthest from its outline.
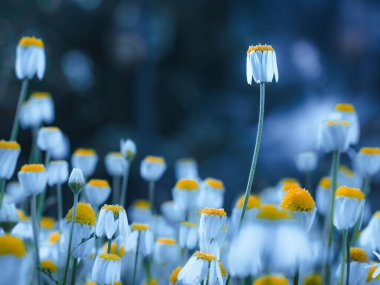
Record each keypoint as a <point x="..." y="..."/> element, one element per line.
<point x="188" y="235"/>
<point x="142" y="237"/>
<point x="333" y="136"/>
<point x="358" y="267"/>
<point x="167" y="252"/>
<point x="128" y="149"/>
<point x="47" y="223"/>
<point x="48" y="138"/>
<point x="301" y="204"/>
<point x="368" y="161"/>
<point x="106" y="269"/>
<point x="347" y="112"/>
<point x="323" y="195"/>
<point x="199" y="266"/>
<point x="152" y="168"/>
<point x="174" y="275"/>
<point x="116" y="164"/>
<point x="253" y="205"/>
<point x="140" y="211"/>
<point x="51" y="268"/>
<point x="313" y="279"/>
<point x="349" y="203"/>
<point x="8" y="217"/>
<point x="33" y="178"/>
<point x="261" y="64"/>
<point x="306" y="161"/>
<point x="185" y="194"/>
<point x="186" y="168"/>
<point x="58" y="171"/>
<point x="30" y="58"/>
<point x="14" y="193"/>
<point x="271" y="280"/>
<point x="112" y="222"/>
<point x="161" y="228"/>
<point x="211" y="194"/>
<point x="62" y="150"/>
<point x="76" y="180"/>
<point x="29" y="115"/>
<point x="172" y="212"/>
<point x="346" y="177"/>
<point x="23" y="229"/>
<point x="368" y="238"/>
<point x="97" y="192"/>
<point x="9" y="153"/>
<point x="43" y="104"/>
<point x="116" y="248"/>
<point x="370" y="279"/>
<point x="85" y="159"/>
<point x="84" y="227"/>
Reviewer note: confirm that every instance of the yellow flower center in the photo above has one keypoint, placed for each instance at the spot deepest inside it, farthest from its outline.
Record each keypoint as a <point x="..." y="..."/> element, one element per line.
<point x="377" y="214"/>
<point x="174" y="275"/>
<point x="31" y="41"/>
<point x="370" y="150"/>
<point x="85" y="151"/>
<point x="155" y="159"/>
<point x="222" y="269"/>
<point x="152" y="281"/>
<point x="271" y="280"/>
<point x="214" y="183"/>
<point x="289" y="180"/>
<point x="142" y="204"/>
<point x="58" y="162"/>
<point x="271" y="212"/>
<point x="41" y="95"/>
<point x="22" y="216"/>
<point x="313" y="279"/>
<point x="359" y="255"/>
<point x="204" y="255"/>
<point x="325" y="183"/>
<point x="32" y="168"/>
<point x="169" y="241"/>
<point x="187" y="184"/>
<point x="349" y="192"/>
<point x="188" y="224"/>
<point x="260" y="48"/>
<point x="54" y="237"/>
<point x="114" y="153"/>
<point x="47" y="222"/>
<point x="344" y="107"/>
<point x="49" y="265"/>
<point x="98" y="183"/>
<point x="253" y="202"/>
<point x="298" y="200"/>
<point x="214" y="212"/>
<point x="12" y="245"/>
<point x="370" y="273"/>
<point x="9" y="144"/>
<point x="345" y="170"/>
<point x="109" y="256"/>
<point x="140" y="227"/>
<point x="343" y="123"/>
<point x="114" y="208"/>
<point x="85" y="214"/>
<point x="115" y="249"/>
<point x="290" y="185"/>
<point x="54" y="129"/>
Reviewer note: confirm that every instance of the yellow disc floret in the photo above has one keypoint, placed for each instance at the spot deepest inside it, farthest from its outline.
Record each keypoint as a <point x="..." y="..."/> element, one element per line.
<point x="271" y="280"/>
<point x="222" y="269"/>
<point x="271" y="212"/>
<point x="370" y="273"/>
<point x="214" y="183"/>
<point x="343" y="123"/>
<point x="31" y="41"/>
<point x="345" y="170"/>
<point x="11" y="245"/>
<point x="9" y="144"/>
<point x="349" y="192"/>
<point x="47" y="223"/>
<point x="344" y="107"/>
<point x="214" y="212"/>
<point x="290" y="185"/>
<point x="142" y="204"/>
<point x="259" y="48"/>
<point x="115" y="249"/>
<point x="187" y="184"/>
<point x="313" y="279"/>
<point x="33" y="168"/>
<point x="253" y="202"/>
<point x="85" y="214"/>
<point x="49" y="265"/>
<point x="169" y="241"/>
<point x="84" y="151"/>
<point x="370" y="150"/>
<point x="174" y="275"/>
<point x="188" y="224"/>
<point x="22" y="216"/>
<point x="298" y="200"/>
<point x="325" y="183"/>
<point x="98" y="183"/>
<point x="109" y="256"/>
<point x="358" y="254"/>
<point x="114" y="208"/>
<point x="154" y="159"/>
<point x="40" y="95"/>
<point x="140" y="227"/>
<point x="115" y="153"/>
<point x="204" y="255"/>
<point x="54" y="237"/>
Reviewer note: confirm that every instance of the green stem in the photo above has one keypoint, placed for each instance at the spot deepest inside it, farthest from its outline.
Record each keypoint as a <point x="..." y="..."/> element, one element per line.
<point x="21" y="99"/>
<point x="33" y="207"/>
<point x="136" y="258"/>
<point x="109" y="246"/>
<point x="255" y="153"/>
<point x="73" y="219"/>
<point x="59" y="208"/>
<point x="34" y="155"/>
<point x="334" y="185"/>
<point x="348" y="259"/>
<point x="308" y="181"/>
<point x="124" y="187"/>
<point x="151" y="196"/>
<point x="366" y="189"/>
<point x="344" y="243"/>
<point x="2" y="191"/>
<point x="296" y="277"/>
<point x="41" y="197"/>
<point x="74" y="272"/>
<point x="115" y="189"/>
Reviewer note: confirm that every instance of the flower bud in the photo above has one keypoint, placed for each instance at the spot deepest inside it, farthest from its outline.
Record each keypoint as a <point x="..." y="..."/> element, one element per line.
<point x="76" y="180"/>
<point x="128" y="148"/>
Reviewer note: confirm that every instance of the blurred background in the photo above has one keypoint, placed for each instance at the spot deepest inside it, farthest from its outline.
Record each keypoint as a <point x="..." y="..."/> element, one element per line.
<point x="170" y="75"/>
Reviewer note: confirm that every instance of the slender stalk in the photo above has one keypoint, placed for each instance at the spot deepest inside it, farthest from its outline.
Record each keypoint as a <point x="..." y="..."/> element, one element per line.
<point x="366" y="185"/>
<point x="124" y="187"/>
<point x="334" y="180"/>
<point x="41" y="197"/>
<point x="70" y="238"/>
<point x="348" y="259"/>
<point x="136" y="259"/>
<point x="2" y="191"/>
<point x="296" y="277"/>
<point x="33" y="207"/>
<point x="74" y="272"/>
<point x="59" y="208"/>
<point x="151" y="196"/>
<point x="34" y="155"/>
<point x="255" y="153"/>
<point x="344" y="243"/>
<point x="115" y="189"/>
<point x="308" y="181"/>
<point x="109" y="246"/>
<point x="21" y="99"/>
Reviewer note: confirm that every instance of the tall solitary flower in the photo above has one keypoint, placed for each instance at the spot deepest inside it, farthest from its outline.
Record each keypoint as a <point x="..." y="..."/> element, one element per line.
<point x="85" y="159"/>
<point x="9" y="153"/>
<point x="30" y="58"/>
<point x="261" y="64"/>
<point x="152" y="168"/>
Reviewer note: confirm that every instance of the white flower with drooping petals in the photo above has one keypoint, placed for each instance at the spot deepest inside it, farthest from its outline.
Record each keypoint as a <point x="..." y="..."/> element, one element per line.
<point x="9" y="153"/>
<point x="167" y="252"/>
<point x="211" y="194"/>
<point x="30" y="58"/>
<point x="306" y="161"/>
<point x="29" y="116"/>
<point x="33" y="178"/>
<point x="367" y="161"/>
<point x="86" y="160"/>
<point x="112" y="222"/>
<point x="188" y="235"/>
<point x="186" y="168"/>
<point x="97" y="192"/>
<point x="8" y="213"/>
<point x="368" y="238"/>
<point x="62" y="150"/>
<point x="116" y="164"/>
<point x="261" y="64"/>
<point x="143" y="237"/>
<point x="185" y="194"/>
<point x="48" y="138"/>
<point x="172" y="212"/>
<point x="140" y="212"/>
<point x="346" y="112"/>
<point x="253" y="205"/>
<point x="107" y="269"/>
<point x="58" y="171"/>
<point x="323" y="196"/>
<point x="44" y="105"/>
<point x="152" y="168"/>
<point x="333" y="136"/>
<point x="359" y="263"/>
<point x="347" y="177"/>
<point x="14" y="193"/>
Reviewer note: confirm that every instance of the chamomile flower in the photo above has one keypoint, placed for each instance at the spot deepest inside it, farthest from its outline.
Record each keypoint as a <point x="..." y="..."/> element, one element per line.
<point x="349" y="203"/>
<point x="51" y="268"/>
<point x="107" y="268"/>
<point x="347" y="112"/>
<point x="161" y="228"/>
<point x="33" y="178"/>
<point x="116" y="164"/>
<point x="44" y="106"/>
<point x="333" y="136"/>
<point x="140" y="211"/>
<point x="112" y="222"/>
<point x="358" y="267"/>
<point x="323" y="196"/>
<point x="372" y="280"/>
<point x="128" y="149"/>
<point x="48" y="138"/>
<point x="368" y="238"/>
<point x="8" y="216"/>
<point x="301" y="204"/>
<point x="271" y="280"/>
<point x="253" y="205"/>
<point x="29" y="116"/>
<point x="172" y="212"/>
<point x="313" y="279"/>
<point x="200" y="266"/>
<point x="166" y="252"/>
<point x="58" y="171"/>
<point x="306" y="161"/>
<point x="97" y="192"/>
<point x="261" y="64"/>
<point x="141" y="239"/>
<point x="30" y="58"/>
<point x="14" y="193"/>
<point x="347" y="177"/>
<point x="368" y="161"/>
<point x="211" y="194"/>
<point x="84" y="228"/>
<point x="9" y="153"/>
<point x="174" y="276"/>
<point x="85" y="159"/>
<point x="185" y="194"/>
<point x="188" y="235"/>
<point x="152" y="168"/>
<point x="186" y="168"/>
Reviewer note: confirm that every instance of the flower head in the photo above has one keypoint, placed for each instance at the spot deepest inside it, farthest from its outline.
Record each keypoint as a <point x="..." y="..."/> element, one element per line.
<point x="128" y="148"/>
<point x="11" y="245"/>
<point x="333" y="135"/>
<point x="30" y="58"/>
<point x="97" y="191"/>
<point x="271" y="280"/>
<point x="85" y="159"/>
<point x="33" y="178"/>
<point x="76" y="180"/>
<point x="261" y="64"/>
<point x="9" y="153"/>
<point x="85" y="214"/>
<point x="152" y="168"/>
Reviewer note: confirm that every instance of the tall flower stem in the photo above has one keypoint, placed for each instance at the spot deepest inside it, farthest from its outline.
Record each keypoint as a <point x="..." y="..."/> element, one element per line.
<point x="255" y="153"/>
<point x="344" y="245"/>
<point x="109" y="245"/>
<point x="348" y="259"/>
<point x="308" y="180"/>
<point x="2" y="191"/>
<point x="74" y="272"/>
<point x="115" y="189"/>
<point x="41" y="197"/>
<point x="33" y="208"/>
<point x="124" y="187"/>
<point x="151" y="195"/>
<point x="366" y="186"/>
<point x="59" y="201"/>
<point x="296" y="277"/>
<point x="73" y="219"/>
<point x="334" y="186"/>
<point x="136" y="258"/>
<point x="21" y="99"/>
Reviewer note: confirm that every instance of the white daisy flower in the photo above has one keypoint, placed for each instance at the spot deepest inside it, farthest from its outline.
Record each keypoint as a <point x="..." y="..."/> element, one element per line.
<point x="30" y="58"/>
<point x="8" y="217"/>
<point x="14" y="193"/>
<point x="48" y="138"/>
<point x="253" y="205"/>
<point x="116" y="164"/>
<point x="346" y="177"/>
<point x="368" y="238"/>
<point x="97" y="192"/>
<point x="346" y="112"/>
<point x="51" y="268"/>
<point x="185" y="194"/>
<point x="152" y="168"/>
<point x="333" y="136"/>
<point x="173" y="279"/>
<point x="166" y="252"/>
<point x="85" y="159"/>
<point x="107" y="268"/>
<point x="58" y="171"/>
<point x="188" y="235"/>
<point x="186" y="168"/>
<point x="43" y="103"/>
<point x="323" y="196"/>
<point x="367" y="161"/>
<point x="172" y="212"/>
<point x="272" y="280"/>
<point x="9" y="153"/>
<point x="142" y="237"/>
<point x="261" y="64"/>
<point x="358" y="267"/>
<point x="140" y="212"/>
<point x="30" y="116"/>
<point x="306" y="161"/>
<point x="33" y="178"/>
<point x="112" y="222"/>
<point x="211" y="194"/>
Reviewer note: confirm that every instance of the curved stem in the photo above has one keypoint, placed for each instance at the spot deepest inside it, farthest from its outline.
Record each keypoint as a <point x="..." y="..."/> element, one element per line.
<point x="124" y="187"/>
<point x="255" y="153"/>
<point x="33" y="207"/>
<point x="21" y="99"/>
